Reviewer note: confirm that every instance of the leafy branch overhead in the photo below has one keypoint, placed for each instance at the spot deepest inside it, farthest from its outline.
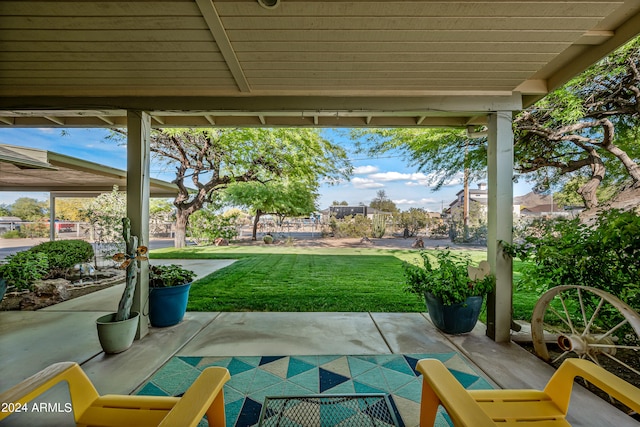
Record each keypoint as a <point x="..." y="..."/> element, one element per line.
<point x="585" y="126"/>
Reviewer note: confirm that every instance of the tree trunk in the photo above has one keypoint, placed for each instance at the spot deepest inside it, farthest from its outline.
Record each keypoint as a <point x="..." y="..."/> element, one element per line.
<point x="255" y="225"/>
<point x="182" y="219"/>
<point x="588" y="191"/>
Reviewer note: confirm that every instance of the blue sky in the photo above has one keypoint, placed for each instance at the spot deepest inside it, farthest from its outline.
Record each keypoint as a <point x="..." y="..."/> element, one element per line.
<point x="405" y="186"/>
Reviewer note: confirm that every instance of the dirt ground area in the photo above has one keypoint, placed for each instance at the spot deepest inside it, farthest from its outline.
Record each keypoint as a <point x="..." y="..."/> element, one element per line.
<point x="383" y="243"/>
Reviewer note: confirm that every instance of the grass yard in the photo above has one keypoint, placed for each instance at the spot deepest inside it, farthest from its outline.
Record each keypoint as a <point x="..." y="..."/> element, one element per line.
<point x="277" y="278"/>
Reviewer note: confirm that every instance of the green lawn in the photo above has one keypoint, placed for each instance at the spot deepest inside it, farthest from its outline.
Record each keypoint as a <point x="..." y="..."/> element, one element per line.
<point x="280" y="278"/>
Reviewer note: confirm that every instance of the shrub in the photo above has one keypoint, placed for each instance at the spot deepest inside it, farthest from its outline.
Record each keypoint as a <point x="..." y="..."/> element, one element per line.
<point x="13" y="234"/>
<point x="64" y="254"/>
<point x="604" y="255"/>
<point x="355" y="226"/>
<point x="268" y="239"/>
<point x="205" y="226"/>
<point x="24" y="268"/>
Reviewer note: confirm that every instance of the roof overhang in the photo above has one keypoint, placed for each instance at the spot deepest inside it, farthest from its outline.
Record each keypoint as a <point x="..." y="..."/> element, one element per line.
<point x="304" y="63"/>
<point x="33" y="170"/>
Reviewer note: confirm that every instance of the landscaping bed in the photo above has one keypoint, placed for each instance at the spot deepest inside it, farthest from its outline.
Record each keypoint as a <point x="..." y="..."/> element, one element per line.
<point x="54" y="291"/>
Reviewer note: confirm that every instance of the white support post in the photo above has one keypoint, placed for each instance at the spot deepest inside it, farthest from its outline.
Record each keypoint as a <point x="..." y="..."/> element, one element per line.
<point x="52" y="217"/>
<point x="138" y="161"/>
<point x="500" y="180"/>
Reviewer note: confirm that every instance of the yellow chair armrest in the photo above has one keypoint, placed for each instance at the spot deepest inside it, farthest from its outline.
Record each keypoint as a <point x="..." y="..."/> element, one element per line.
<point x="561" y="383"/>
<point x="82" y="391"/>
<point x="440" y="387"/>
<point x="205" y="395"/>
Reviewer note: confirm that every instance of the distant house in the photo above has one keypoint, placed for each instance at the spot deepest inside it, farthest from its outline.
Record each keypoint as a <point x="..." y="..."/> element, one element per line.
<point x="529" y="205"/>
<point x="9" y="223"/>
<point x="535" y="205"/>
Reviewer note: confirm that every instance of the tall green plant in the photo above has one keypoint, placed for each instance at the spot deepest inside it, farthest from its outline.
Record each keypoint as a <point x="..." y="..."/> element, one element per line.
<point x="378" y="226"/>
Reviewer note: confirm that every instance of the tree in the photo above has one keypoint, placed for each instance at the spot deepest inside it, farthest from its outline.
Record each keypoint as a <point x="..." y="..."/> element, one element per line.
<point x="29" y="209"/>
<point x="213" y="159"/>
<point x="71" y="209"/>
<point x="337" y="203"/>
<point x="282" y="197"/>
<point x="587" y="128"/>
<point x="413" y="220"/>
<point x="105" y="214"/>
<point x="5" y="210"/>
<point x="382" y="203"/>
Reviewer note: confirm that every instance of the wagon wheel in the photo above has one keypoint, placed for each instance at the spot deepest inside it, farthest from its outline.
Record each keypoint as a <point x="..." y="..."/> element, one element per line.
<point x="585" y="322"/>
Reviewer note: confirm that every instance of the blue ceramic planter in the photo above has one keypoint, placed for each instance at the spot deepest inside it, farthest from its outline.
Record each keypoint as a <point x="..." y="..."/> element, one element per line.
<point x="168" y="305"/>
<point x="456" y="318"/>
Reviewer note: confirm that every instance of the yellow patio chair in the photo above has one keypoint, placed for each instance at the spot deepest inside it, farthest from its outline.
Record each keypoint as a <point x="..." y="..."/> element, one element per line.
<point x="90" y="409"/>
<point x="530" y="408"/>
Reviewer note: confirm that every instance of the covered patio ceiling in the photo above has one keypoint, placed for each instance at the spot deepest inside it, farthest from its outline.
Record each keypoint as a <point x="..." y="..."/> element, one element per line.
<point x="302" y="63"/>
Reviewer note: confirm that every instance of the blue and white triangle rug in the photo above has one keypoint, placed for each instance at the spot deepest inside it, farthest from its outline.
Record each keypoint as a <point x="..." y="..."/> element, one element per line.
<point x="255" y="377"/>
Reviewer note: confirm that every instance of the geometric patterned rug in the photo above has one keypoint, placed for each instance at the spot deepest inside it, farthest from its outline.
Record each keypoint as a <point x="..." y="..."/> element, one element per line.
<point x="255" y="377"/>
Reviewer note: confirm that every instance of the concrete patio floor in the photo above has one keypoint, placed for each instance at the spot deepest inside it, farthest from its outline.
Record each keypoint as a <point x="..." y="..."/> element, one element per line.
<point x="30" y="341"/>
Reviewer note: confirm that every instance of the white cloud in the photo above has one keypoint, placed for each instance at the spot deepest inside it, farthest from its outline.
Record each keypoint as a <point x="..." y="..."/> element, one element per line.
<point x="397" y="176"/>
<point x="422" y="201"/>
<point x="431" y="179"/>
<point x="363" y="170"/>
<point x="365" y="183"/>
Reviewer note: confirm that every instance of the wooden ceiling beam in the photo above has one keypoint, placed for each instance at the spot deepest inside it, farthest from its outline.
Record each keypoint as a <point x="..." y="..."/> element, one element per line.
<point x="224" y="44"/>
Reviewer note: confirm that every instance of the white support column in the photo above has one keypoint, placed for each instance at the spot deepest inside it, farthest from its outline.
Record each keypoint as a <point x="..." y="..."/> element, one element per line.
<point x="138" y="160"/>
<point x="52" y="217"/>
<point x="500" y="180"/>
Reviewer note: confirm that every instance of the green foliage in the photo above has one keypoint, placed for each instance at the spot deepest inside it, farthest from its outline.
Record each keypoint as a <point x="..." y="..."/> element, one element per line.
<point x="604" y="255"/>
<point x="268" y="239"/>
<point x="383" y="203"/>
<point x="13" y="234"/>
<point x="476" y="229"/>
<point x="5" y="210"/>
<point x="281" y="197"/>
<point x="105" y="214"/>
<point x="164" y="276"/>
<point x="64" y="254"/>
<point x="24" y="268"/>
<point x="36" y="229"/>
<point x="355" y="226"/>
<point x="413" y="220"/>
<point x="448" y="279"/>
<point x="378" y="226"/>
<point x="205" y="226"/>
<point x="28" y="209"/>
<point x="585" y="131"/>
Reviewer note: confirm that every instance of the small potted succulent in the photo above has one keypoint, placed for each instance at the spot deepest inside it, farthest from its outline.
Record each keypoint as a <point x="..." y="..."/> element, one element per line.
<point x="169" y="287"/>
<point x="453" y="289"/>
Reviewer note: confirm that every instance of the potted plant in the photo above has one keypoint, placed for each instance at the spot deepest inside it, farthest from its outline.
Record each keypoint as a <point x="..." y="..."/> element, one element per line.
<point x="116" y="331"/>
<point x="453" y="289"/>
<point x="168" y="294"/>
